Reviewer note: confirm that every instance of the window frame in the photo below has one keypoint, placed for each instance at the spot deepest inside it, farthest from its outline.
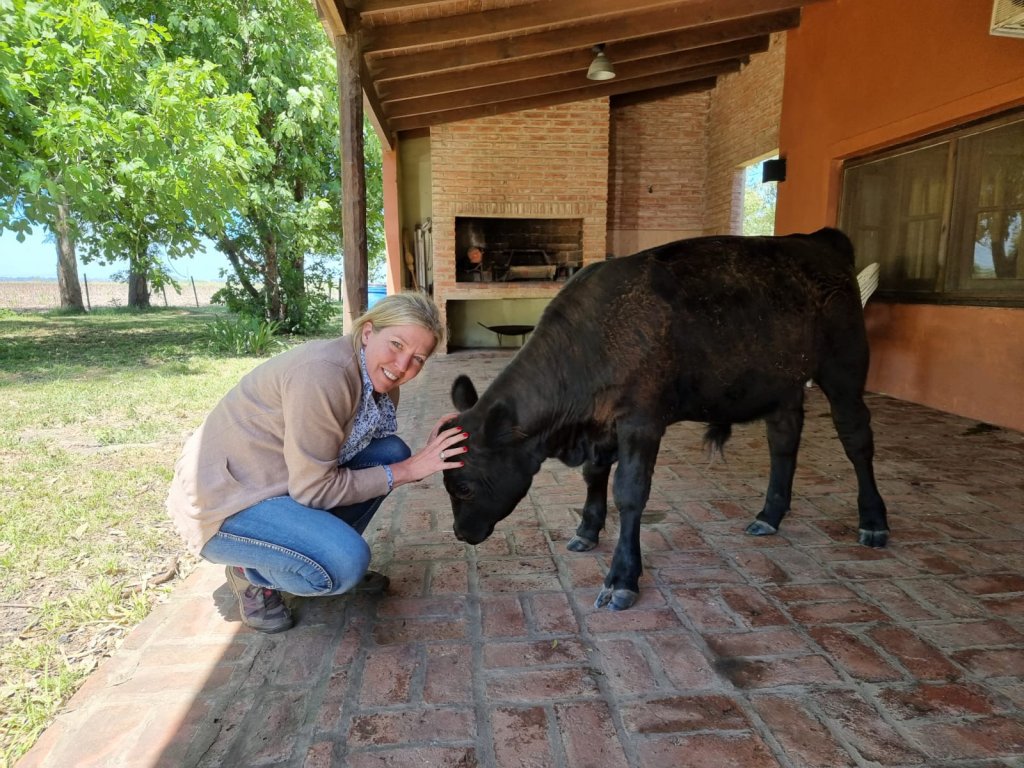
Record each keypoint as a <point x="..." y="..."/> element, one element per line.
<point x="953" y="283"/>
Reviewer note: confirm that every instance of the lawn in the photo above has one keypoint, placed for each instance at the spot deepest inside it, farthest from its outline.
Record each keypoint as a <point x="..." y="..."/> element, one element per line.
<point x="94" y="411"/>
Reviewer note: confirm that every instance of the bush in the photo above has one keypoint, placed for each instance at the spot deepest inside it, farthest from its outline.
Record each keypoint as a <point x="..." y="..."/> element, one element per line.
<point x="307" y="306"/>
<point x="244" y="335"/>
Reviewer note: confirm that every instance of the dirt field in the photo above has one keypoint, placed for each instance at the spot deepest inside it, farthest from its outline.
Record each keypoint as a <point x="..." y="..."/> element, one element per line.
<point x="43" y="294"/>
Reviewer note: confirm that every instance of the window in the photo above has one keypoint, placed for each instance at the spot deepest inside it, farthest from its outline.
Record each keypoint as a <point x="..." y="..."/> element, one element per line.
<point x="758" y="200"/>
<point x="944" y="217"/>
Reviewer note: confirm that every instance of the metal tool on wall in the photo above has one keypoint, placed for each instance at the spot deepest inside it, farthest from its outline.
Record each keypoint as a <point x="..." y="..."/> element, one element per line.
<point x="423" y="247"/>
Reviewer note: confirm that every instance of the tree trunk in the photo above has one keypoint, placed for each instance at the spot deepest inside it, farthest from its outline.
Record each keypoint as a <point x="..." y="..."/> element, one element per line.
<point x="138" y="286"/>
<point x="67" y="265"/>
<point x="272" y="278"/>
<point x="138" y="290"/>
<point x="229" y="249"/>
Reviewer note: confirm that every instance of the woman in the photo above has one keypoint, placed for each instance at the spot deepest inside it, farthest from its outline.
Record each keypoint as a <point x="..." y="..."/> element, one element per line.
<point x="285" y="473"/>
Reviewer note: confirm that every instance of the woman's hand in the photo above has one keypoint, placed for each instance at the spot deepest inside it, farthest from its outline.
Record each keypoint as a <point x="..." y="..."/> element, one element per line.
<point x="441" y="452"/>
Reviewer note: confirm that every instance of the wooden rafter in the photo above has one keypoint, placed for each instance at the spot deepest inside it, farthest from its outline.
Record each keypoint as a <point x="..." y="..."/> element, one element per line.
<point x="427" y="62"/>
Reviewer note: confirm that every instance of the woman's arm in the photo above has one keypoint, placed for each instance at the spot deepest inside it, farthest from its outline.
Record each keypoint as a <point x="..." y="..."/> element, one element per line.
<point x="429" y="459"/>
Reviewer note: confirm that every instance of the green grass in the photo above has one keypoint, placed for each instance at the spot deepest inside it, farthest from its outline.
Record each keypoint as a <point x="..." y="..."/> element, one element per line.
<point x="93" y="411"/>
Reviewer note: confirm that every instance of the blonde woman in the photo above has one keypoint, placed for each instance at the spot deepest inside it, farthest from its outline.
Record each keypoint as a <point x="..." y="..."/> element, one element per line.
<point x="288" y="469"/>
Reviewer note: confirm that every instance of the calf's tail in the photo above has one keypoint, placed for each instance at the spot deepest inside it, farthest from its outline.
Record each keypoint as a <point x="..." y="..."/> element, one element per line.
<point x="715" y="438"/>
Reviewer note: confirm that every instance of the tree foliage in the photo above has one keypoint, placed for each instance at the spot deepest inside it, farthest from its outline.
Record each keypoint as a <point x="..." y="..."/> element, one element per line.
<point x="63" y="70"/>
<point x="758" y="203"/>
<point x="105" y="138"/>
<point x="186" y="157"/>
<point x="136" y="127"/>
<point x="285" y="240"/>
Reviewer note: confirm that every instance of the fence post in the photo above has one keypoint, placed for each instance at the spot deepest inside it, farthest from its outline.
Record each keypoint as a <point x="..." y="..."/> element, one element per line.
<point x="85" y="279"/>
<point x="194" y="290"/>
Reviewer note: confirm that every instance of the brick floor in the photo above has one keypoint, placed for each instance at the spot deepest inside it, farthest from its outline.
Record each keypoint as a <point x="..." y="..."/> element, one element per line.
<point x="802" y="649"/>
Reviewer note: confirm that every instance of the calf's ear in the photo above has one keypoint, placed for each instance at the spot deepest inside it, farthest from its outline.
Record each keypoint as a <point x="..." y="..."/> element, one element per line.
<point x="500" y="425"/>
<point x="463" y="393"/>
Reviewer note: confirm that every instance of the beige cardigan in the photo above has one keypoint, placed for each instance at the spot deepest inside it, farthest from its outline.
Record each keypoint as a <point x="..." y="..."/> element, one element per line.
<point x="277" y="432"/>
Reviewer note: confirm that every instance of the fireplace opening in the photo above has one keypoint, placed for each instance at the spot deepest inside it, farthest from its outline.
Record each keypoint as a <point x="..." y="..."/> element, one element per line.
<point x="501" y="249"/>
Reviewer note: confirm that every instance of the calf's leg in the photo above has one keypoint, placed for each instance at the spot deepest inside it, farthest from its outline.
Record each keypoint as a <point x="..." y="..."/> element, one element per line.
<point x="595" y="509"/>
<point x="784" y="428"/>
<point x="852" y="420"/>
<point x="842" y="372"/>
<point x="632" y="487"/>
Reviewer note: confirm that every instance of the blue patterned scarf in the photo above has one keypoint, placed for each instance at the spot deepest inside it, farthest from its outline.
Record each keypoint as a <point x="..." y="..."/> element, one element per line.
<point x="374" y="419"/>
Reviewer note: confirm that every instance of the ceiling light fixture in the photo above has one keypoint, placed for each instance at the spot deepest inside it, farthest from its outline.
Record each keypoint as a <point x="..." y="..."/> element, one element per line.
<point x="600" y="68"/>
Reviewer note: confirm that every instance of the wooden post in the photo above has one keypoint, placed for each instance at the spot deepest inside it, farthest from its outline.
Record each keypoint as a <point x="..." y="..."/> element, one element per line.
<point x="194" y="293"/>
<point x="85" y="279"/>
<point x="353" y="210"/>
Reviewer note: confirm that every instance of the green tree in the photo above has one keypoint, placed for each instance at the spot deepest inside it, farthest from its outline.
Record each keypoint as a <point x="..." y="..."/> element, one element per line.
<point x="103" y="138"/>
<point x="60" y="69"/>
<point x="284" y="243"/>
<point x="373" y="168"/>
<point x="758" y="203"/>
<point x="184" y="158"/>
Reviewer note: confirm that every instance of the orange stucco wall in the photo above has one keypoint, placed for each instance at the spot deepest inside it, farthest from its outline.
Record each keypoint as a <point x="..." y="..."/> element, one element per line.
<point x="969" y="360"/>
<point x="867" y="74"/>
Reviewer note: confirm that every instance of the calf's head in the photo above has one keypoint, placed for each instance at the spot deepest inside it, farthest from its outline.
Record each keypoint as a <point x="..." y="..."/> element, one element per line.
<point x="498" y="467"/>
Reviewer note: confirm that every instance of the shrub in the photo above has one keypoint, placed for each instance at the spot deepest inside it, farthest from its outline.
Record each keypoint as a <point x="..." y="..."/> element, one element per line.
<point x="244" y="335"/>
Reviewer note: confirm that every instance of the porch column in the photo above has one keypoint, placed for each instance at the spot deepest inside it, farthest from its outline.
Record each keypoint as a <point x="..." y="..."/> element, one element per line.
<point x="353" y="180"/>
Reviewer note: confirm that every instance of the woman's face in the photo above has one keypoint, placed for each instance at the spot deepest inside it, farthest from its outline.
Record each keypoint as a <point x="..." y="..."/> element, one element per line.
<point x="394" y="355"/>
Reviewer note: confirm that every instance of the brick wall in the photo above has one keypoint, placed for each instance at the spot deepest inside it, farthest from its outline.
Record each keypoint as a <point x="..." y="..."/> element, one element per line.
<point x="674" y="166"/>
<point x="657" y="172"/>
<point x="637" y="176"/>
<point x="742" y="126"/>
<point x="541" y="163"/>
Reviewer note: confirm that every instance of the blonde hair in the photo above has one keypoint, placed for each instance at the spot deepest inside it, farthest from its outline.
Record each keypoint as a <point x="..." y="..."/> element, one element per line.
<point x="410" y="308"/>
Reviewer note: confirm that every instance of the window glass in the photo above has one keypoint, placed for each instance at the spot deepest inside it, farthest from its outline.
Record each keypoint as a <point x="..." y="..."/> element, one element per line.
<point x="945" y="217"/>
<point x="892" y="210"/>
<point x="994" y="161"/>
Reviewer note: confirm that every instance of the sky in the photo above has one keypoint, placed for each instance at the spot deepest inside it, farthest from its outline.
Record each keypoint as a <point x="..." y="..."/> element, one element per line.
<point x="37" y="258"/>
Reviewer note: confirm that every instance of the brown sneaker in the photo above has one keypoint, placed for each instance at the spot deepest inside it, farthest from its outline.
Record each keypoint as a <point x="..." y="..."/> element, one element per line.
<point x="262" y="609"/>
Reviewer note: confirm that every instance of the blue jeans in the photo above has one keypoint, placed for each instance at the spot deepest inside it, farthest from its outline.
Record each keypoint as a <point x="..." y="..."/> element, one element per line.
<point x="284" y="545"/>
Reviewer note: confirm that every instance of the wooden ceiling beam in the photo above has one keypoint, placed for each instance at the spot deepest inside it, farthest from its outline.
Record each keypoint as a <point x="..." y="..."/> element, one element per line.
<point x="609" y="88"/>
<point x="368" y="7"/>
<point x="621" y="100"/>
<point x="334" y="19"/>
<point x="518" y="20"/>
<point x="581" y="37"/>
<point x="653" y="94"/>
<point x="427" y="62"/>
<point x="339" y="24"/>
<point x="375" y="109"/>
<point x="574" y="63"/>
<point x="501" y="22"/>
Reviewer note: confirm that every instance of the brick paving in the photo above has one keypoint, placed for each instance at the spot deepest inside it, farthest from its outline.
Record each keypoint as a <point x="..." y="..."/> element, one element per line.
<point x="802" y="649"/>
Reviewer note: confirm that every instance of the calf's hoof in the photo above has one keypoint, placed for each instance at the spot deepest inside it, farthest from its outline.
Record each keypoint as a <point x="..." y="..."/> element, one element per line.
<point x="761" y="528"/>
<point x="616" y="599"/>
<point x="580" y="544"/>
<point x="874" y="539"/>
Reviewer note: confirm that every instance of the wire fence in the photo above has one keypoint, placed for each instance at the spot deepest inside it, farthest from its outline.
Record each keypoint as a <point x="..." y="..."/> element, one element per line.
<point x="45" y="294"/>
